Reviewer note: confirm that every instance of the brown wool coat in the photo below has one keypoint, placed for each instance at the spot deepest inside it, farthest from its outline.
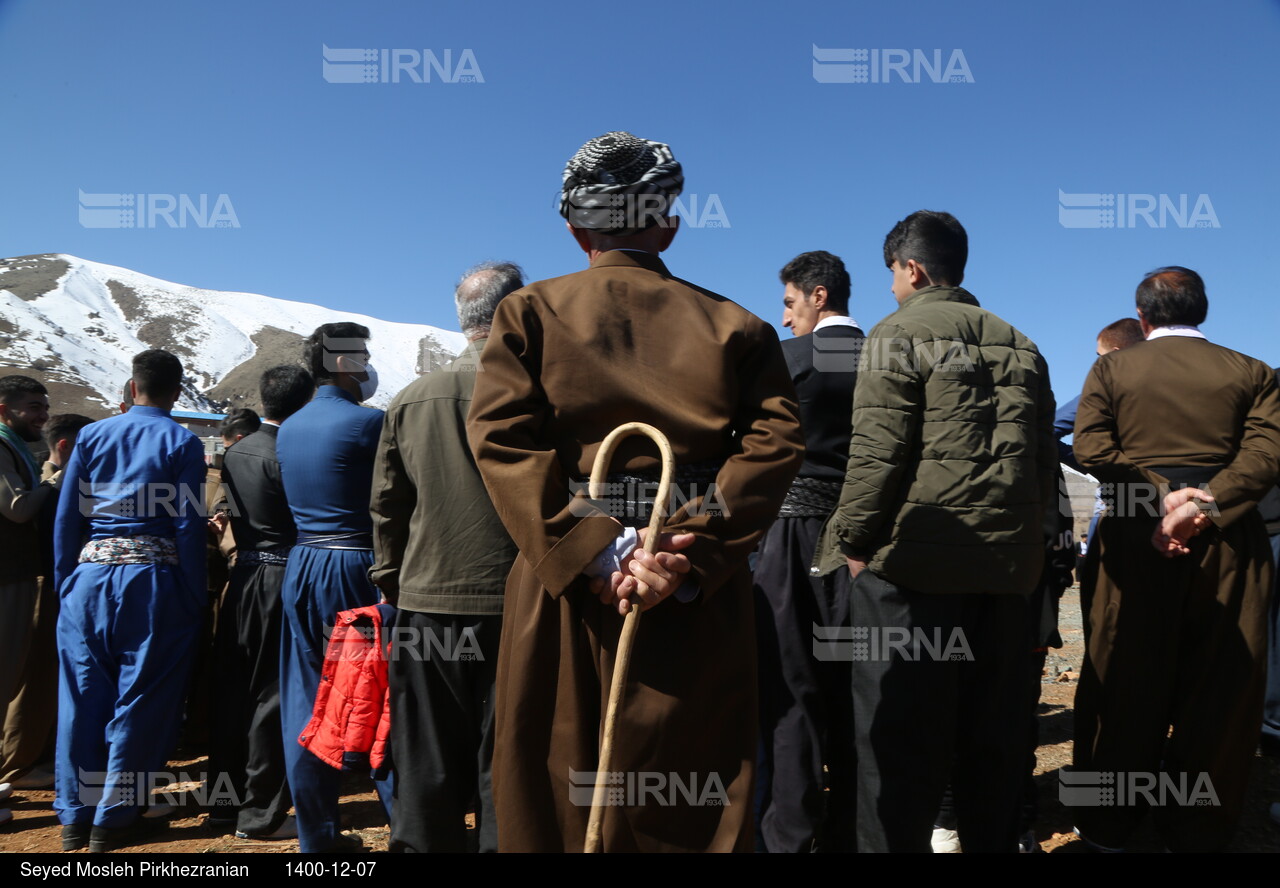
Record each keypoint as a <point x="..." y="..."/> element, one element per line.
<point x="1178" y="641"/>
<point x="568" y="360"/>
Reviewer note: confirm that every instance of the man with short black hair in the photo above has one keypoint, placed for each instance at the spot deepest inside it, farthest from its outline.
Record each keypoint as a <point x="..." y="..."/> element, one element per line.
<point x="940" y="524"/>
<point x="442" y="558"/>
<point x="33" y="711"/>
<point x="24" y="410"/>
<point x="129" y="565"/>
<point x="238" y="423"/>
<point x="253" y="796"/>
<point x="807" y="777"/>
<point x="1178" y="620"/>
<point x="326" y="453"/>
<point x="815" y="290"/>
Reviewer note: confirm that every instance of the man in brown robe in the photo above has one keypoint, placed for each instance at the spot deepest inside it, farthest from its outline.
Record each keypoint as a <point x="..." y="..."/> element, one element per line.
<point x="568" y="360"/>
<point x="1178" y="632"/>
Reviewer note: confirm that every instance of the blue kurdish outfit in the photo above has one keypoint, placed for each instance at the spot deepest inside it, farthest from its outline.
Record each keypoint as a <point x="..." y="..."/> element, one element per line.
<point x="326" y="452"/>
<point x="129" y="546"/>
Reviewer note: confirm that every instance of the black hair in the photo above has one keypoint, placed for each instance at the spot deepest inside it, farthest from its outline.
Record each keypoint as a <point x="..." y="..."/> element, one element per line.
<point x="63" y="425"/>
<point x="1172" y="295"/>
<point x="158" y="373"/>
<point x="14" y="387"/>
<point x="285" y="390"/>
<point x="330" y="340"/>
<point x="808" y="271"/>
<point x="241" y="421"/>
<point x="935" y="240"/>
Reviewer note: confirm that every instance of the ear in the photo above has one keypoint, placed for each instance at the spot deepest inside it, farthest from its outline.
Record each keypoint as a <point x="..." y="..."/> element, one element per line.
<point x="918" y="275"/>
<point x="346" y="364"/>
<point x="819" y="297"/>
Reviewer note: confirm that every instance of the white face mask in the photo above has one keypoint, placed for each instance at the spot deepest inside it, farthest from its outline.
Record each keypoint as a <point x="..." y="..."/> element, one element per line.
<point x="370" y="386"/>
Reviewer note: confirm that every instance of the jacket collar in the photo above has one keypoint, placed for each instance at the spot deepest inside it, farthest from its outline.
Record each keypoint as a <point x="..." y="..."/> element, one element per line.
<point x="631" y="259"/>
<point x="333" y="391"/>
<point x="927" y="295"/>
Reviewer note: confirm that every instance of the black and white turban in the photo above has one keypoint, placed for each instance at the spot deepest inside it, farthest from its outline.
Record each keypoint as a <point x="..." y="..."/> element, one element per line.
<point x="618" y="184"/>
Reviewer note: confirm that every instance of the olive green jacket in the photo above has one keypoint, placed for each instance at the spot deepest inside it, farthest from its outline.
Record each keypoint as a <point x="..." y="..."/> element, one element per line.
<point x="952" y="456"/>
<point x="439" y="546"/>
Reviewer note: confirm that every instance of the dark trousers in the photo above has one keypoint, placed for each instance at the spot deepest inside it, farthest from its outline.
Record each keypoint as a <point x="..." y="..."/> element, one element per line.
<point x="1029" y="806"/>
<point x="806" y="706"/>
<point x="33" y="709"/>
<point x="1175" y="643"/>
<point x="937" y="698"/>
<point x="319" y="584"/>
<point x="246" y="757"/>
<point x="441" y="669"/>
<point x="1271" y="703"/>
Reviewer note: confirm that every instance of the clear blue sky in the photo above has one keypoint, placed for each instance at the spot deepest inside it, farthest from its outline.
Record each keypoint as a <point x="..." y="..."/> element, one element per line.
<point x="373" y="197"/>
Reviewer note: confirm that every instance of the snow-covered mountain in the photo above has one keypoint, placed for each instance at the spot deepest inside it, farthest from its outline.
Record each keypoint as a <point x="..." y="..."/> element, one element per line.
<point x="77" y="324"/>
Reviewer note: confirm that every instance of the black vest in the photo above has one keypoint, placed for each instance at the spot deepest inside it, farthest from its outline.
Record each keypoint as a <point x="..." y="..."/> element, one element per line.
<point x="824" y="368"/>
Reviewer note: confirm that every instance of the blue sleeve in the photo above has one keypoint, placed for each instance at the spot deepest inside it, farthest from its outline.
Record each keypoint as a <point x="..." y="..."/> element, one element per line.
<point x="1064" y="421"/>
<point x="371" y="432"/>
<point x="190" y="523"/>
<point x="70" y="524"/>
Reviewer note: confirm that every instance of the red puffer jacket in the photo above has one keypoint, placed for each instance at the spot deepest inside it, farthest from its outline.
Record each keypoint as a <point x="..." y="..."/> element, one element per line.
<point x="353" y="708"/>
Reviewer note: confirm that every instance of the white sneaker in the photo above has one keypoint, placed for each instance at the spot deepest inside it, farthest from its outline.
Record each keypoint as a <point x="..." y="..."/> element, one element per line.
<point x="945" y="841"/>
<point x="1027" y="843"/>
<point x="286" y="830"/>
<point x="6" y="790"/>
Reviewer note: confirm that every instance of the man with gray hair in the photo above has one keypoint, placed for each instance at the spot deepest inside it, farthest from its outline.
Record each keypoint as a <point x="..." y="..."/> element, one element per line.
<point x="442" y="557"/>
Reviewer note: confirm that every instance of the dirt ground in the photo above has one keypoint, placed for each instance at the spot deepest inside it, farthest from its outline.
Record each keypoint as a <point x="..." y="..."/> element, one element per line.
<point x="35" y="827"/>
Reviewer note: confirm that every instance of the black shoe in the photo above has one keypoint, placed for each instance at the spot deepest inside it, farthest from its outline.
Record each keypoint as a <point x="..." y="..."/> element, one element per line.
<point x="75" y="836"/>
<point x="104" y="839"/>
<point x="346" y="843"/>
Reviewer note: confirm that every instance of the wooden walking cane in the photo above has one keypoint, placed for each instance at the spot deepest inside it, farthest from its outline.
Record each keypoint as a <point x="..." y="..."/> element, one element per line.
<point x="622" y="662"/>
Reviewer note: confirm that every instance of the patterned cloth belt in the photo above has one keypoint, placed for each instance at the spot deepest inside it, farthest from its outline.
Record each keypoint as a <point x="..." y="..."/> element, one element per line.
<point x="811" y="498"/>
<point x="263" y="556"/>
<point x="130" y="550"/>
<point x="356" y="540"/>
<point x="629" y="496"/>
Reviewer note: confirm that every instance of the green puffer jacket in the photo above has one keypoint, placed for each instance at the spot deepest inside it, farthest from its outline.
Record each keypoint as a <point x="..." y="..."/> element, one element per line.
<point x="952" y="456"/>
